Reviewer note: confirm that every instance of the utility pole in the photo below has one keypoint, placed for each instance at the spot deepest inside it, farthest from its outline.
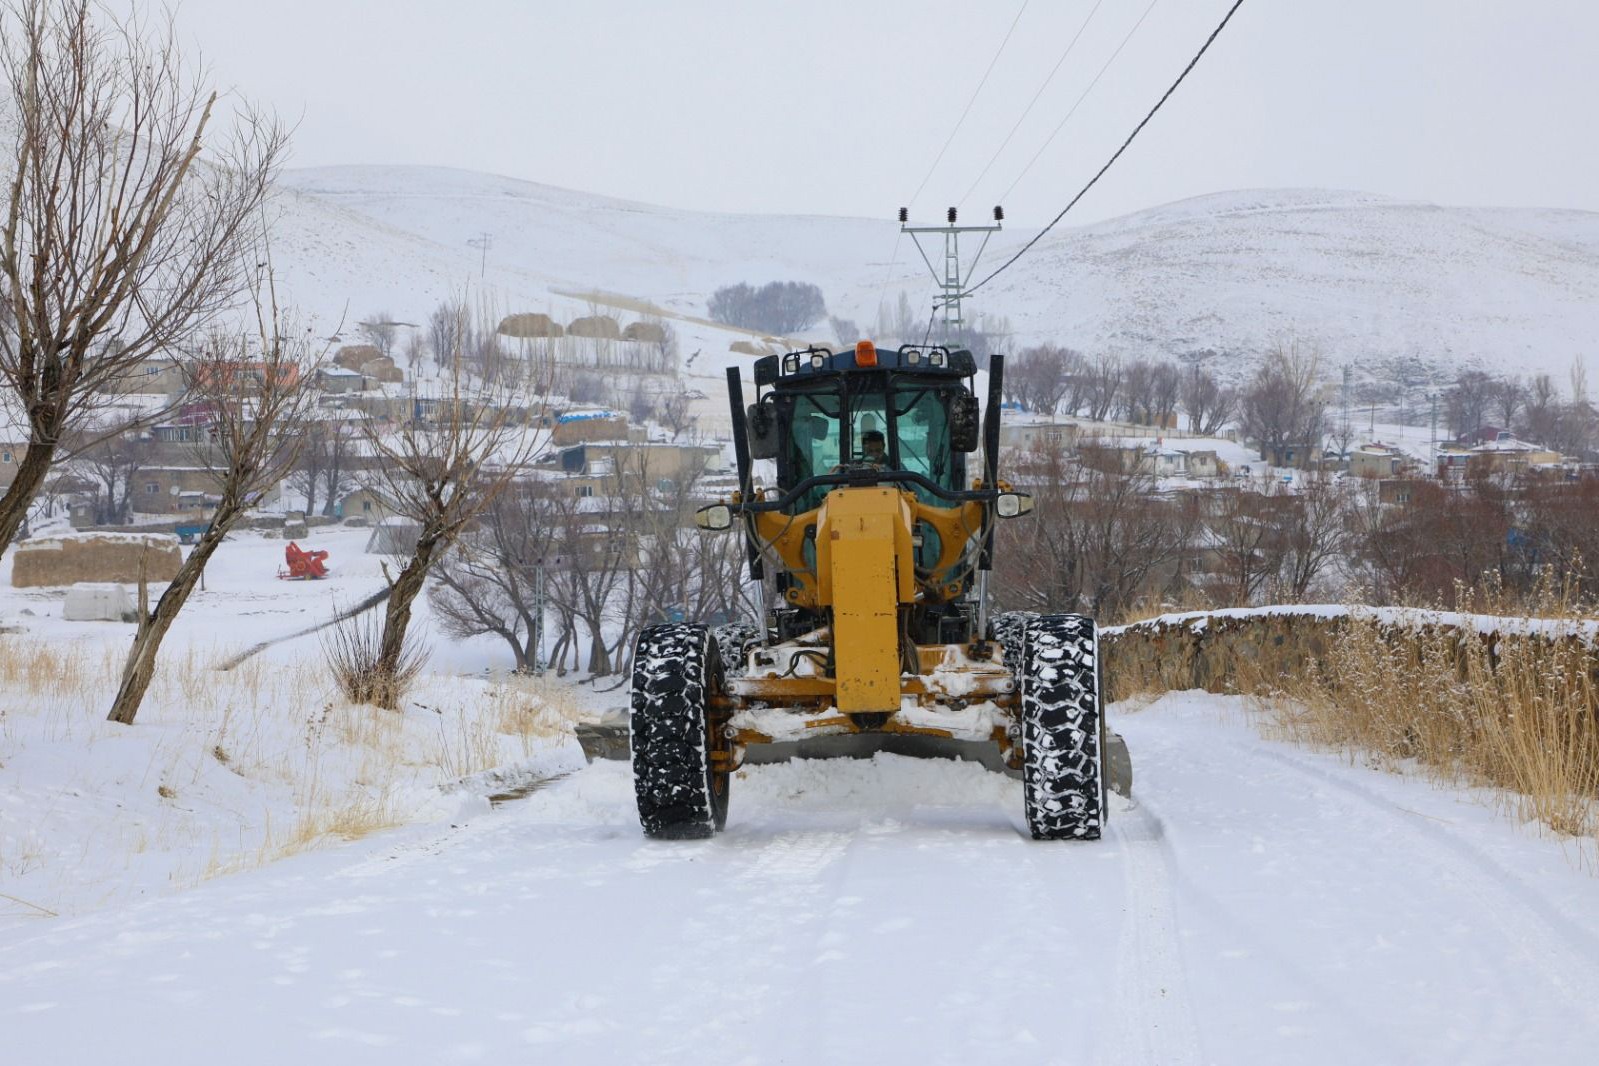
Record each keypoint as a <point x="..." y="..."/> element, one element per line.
<point x="484" y="241"/>
<point x="952" y="282"/>
<point x="1345" y="433"/>
<point x="1432" y="447"/>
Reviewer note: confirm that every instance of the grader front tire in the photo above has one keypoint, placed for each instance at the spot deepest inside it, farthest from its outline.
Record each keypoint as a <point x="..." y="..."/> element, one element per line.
<point x="681" y="792"/>
<point x="1061" y="719"/>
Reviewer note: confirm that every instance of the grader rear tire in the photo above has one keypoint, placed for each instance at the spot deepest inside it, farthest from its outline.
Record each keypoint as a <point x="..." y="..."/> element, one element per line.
<point x="681" y="794"/>
<point x="1007" y="630"/>
<point x="1062" y="730"/>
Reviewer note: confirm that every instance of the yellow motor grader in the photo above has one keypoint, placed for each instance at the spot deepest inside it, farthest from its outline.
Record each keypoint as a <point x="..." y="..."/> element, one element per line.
<point x="873" y="548"/>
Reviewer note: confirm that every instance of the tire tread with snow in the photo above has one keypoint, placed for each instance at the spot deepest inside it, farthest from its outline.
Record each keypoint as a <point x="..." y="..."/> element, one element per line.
<point x="1061" y="728"/>
<point x="732" y="638"/>
<point x="1007" y="629"/>
<point x="676" y="668"/>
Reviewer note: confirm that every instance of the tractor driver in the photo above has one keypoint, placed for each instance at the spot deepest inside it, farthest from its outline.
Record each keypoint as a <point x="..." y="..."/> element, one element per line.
<point x="874" y="448"/>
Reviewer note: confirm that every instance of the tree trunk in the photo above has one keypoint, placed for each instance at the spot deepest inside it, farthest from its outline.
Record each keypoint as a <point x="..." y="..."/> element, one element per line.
<point x="140" y="667"/>
<point x="397" y="619"/>
<point x="20" y="496"/>
<point x="599" y="656"/>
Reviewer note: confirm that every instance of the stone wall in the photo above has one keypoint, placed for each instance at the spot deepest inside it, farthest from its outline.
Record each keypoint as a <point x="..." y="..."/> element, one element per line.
<point x="95" y="557"/>
<point x="1260" y="650"/>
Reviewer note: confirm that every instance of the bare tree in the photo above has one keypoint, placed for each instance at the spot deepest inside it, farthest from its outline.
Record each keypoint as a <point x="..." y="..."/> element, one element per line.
<point x="1508" y="394"/>
<point x="112" y="465"/>
<point x="1165" y="386"/>
<point x="678" y="571"/>
<point x="675" y="410"/>
<point x="324" y="468"/>
<point x="489" y="583"/>
<point x="598" y="545"/>
<point x="380" y="330"/>
<point x="1540" y="415"/>
<point x="448" y="327"/>
<point x="1099" y="538"/>
<point x="1279" y="409"/>
<point x="1137" y="391"/>
<point x="439" y="470"/>
<point x="1039" y="377"/>
<point x="1104" y="383"/>
<point x="118" y="241"/>
<point x="1207" y="405"/>
<point x="416" y="349"/>
<point x="1246" y="535"/>
<point x="1315" y="535"/>
<point x="255" y="394"/>
<point x="1467" y="401"/>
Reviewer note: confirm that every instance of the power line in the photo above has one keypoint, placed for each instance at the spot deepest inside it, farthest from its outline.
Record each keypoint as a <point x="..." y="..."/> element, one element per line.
<point x="888" y="275"/>
<point x="1062" y="124"/>
<point x="1029" y="108"/>
<point x="1118" y="153"/>
<point x="951" y="139"/>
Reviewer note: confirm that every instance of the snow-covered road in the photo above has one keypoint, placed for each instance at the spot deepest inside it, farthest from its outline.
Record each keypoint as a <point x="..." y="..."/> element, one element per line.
<point x="1258" y="904"/>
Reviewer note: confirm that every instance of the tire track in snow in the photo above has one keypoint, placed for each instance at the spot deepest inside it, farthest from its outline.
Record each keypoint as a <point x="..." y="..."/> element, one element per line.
<point x="794" y="860"/>
<point x="1548" y="944"/>
<point x="1152" y="1018"/>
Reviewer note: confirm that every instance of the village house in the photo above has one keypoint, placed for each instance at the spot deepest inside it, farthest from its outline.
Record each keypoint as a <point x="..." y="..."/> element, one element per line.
<point x="1507" y="455"/>
<point x="338" y="380"/>
<point x="10" y="459"/>
<point x="1396" y="491"/>
<point x="1038" y="436"/>
<point x="363" y="503"/>
<point x="580" y="425"/>
<point x="154" y="375"/>
<point x="653" y="464"/>
<point x="1376" y="460"/>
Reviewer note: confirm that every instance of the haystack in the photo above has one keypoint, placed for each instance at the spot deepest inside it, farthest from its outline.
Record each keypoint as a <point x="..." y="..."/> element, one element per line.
<point x="595" y="326"/>
<point x="95" y="557"/>
<point x="646" y="332"/>
<point x="746" y="348"/>
<point x="530" y="324"/>
<point x="351" y="356"/>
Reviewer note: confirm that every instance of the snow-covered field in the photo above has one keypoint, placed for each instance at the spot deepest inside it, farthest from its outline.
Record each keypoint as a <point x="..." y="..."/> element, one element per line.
<point x="1256" y="903"/>
<point x="228" y="770"/>
<point x="1363" y="277"/>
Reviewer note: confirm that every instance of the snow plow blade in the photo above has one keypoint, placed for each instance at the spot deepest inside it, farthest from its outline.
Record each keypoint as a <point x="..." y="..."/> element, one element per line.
<point x="608" y="739"/>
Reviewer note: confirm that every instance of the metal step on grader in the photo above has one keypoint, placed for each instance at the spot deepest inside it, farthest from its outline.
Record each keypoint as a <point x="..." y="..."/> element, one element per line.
<point x="873" y="549"/>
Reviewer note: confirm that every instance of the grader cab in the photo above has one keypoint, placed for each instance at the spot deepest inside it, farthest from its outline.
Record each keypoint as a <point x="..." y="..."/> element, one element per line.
<point x="873" y="548"/>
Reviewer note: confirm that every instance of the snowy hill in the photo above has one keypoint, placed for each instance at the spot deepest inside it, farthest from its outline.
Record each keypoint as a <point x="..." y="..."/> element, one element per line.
<point x="1364" y="276"/>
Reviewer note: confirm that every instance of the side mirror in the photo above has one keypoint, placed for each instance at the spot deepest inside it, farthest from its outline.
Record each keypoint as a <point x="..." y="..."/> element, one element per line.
<point x="761" y="422"/>
<point x="717" y="518"/>
<point x="963" y="432"/>
<point x="1013" y="504"/>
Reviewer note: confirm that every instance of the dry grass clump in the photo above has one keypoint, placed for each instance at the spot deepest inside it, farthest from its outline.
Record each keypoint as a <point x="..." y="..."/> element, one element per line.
<point x="351" y="649"/>
<point x="532" y="708"/>
<point x="1515" y="710"/>
<point x="263" y="760"/>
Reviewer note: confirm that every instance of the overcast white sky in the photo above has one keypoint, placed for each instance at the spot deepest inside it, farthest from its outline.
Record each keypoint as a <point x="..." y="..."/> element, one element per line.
<point x="840" y="106"/>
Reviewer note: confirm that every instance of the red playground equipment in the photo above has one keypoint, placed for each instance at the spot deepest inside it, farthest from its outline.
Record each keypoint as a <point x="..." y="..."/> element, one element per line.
<point x="302" y="565"/>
